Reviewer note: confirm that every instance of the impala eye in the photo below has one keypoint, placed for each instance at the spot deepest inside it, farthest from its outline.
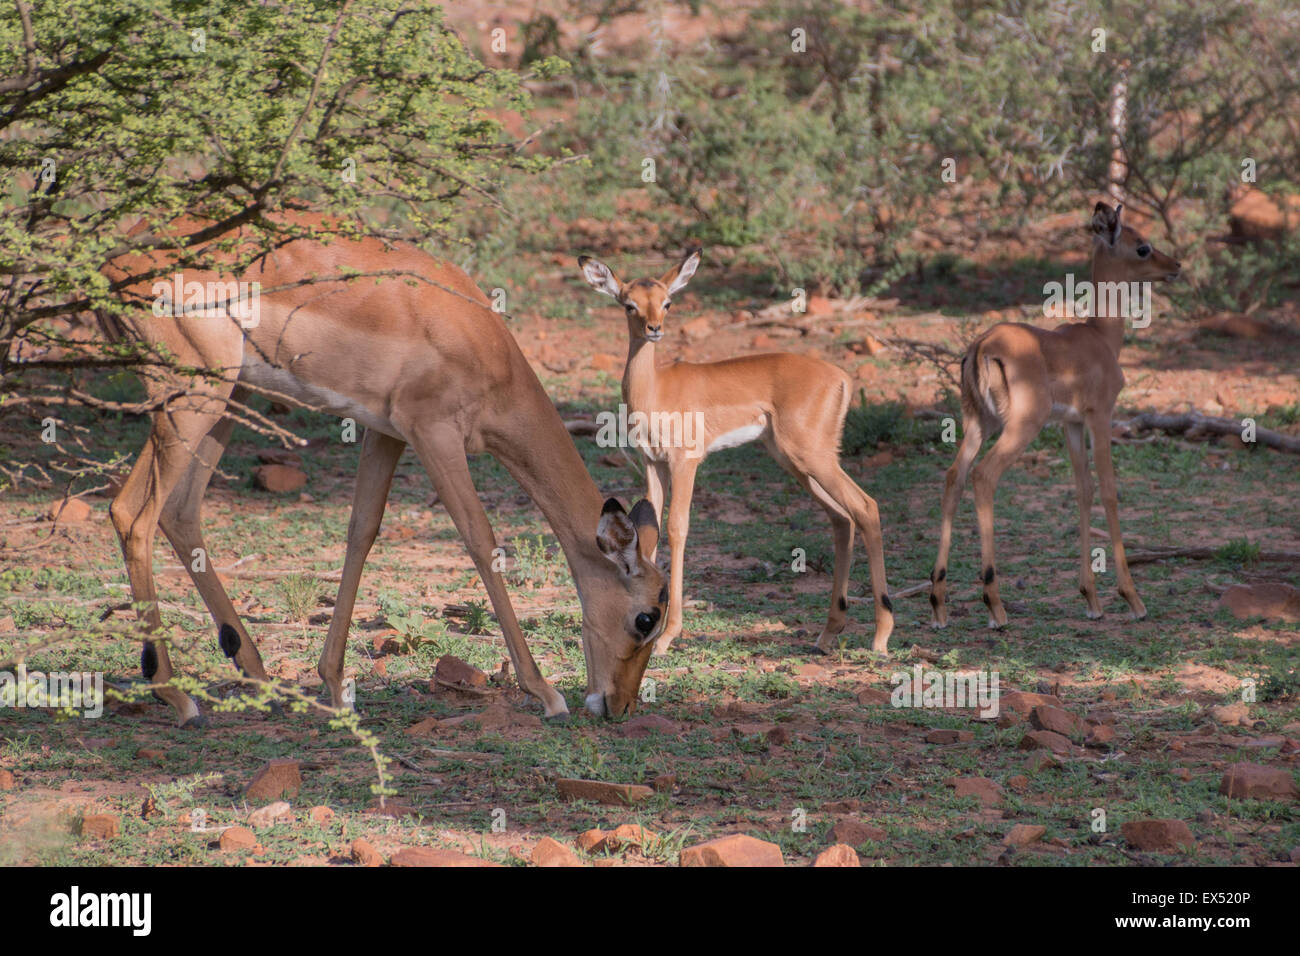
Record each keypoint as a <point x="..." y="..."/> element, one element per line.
<point x="631" y="309"/>
<point x="1143" y="251"/>
<point x="667" y="306"/>
<point x="645" y="621"/>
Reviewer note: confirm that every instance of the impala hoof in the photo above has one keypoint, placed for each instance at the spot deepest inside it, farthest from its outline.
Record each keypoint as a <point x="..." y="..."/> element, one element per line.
<point x="197" y="722"/>
<point x="1094" y="615"/>
<point x="556" y="720"/>
<point x="276" y="709"/>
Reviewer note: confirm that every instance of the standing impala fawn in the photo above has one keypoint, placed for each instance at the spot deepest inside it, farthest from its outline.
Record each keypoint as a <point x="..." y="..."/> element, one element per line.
<point x="1017" y="378"/>
<point x="418" y="358"/>
<point x="794" y="403"/>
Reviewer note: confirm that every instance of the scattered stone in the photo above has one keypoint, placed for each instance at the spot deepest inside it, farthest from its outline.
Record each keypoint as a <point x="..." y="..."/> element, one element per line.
<point x="664" y="782"/>
<point x="643" y="725"/>
<point x="269" y="815"/>
<point x="1023" y="834"/>
<point x="1158" y="835"/>
<point x="591" y="840"/>
<point x="1023" y="702"/>
<point x="599" y="791"/>
<point x="363" y="853"/>
<point x="279" y="479"/>
<point x="550" y="852"/>
<point x="1271" y="601"/>
<point x="452" y="670"/>
<point x="321" y="816"/>
<point x="69" y="511"/>
<point x="842" y="806"/>
<point x="426" y="856"/>
<point x="949" y="736"/>
<point x="1045" y="740"/>
<point x="987" y="791"/>
<point x="1055" y="720"/>
<point x="1257" y="782"/>
<point x="855" y="832"/>
<point x="838" y="855"/>
<point x="873" y="697"/>
<point x="423" y="728"/>
<point x="277" y="779"/>
<point x="100" y="826"/>
<point x="628" y="835"/>
<point x="1231" y="715"/>
<point x="6" y="780"/>
<point x="154" y="755"/>
<point x="1100" y="735"/>
<point x="604" y="362"/>
<point x="734" y="850"/>
<point x="1041" y="760"/>
<point x="1183" y="774"/>
<point x="237" y="838"/>
<point x="279" y="456"/>
<point x="1018" y="783"/>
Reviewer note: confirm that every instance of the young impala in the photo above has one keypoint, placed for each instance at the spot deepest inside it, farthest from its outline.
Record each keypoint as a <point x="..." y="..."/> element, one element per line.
<point x="1017" y="378"/>
<point x="418" y="358"/>
<point x="794" y="403"/>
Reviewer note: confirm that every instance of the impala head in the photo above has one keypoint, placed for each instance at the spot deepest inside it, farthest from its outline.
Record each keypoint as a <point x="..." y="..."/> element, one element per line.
<point x="645" y="301"/>
<point x="623" y="612"/>
<point x="1124" y="251"/>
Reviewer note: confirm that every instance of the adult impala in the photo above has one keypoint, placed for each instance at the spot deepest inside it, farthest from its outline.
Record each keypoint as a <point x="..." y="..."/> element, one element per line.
<point x="1017" y="378"/>
<point x="794" y="403"/>
<point x="419" y="358"/>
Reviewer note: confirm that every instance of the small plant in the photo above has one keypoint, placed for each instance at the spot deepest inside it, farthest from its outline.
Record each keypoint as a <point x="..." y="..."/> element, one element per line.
<point x="478" y="620"/>
<point x="1239" y="553"/>
<point x="300" y="593"/>
<point x="537" y="564"/>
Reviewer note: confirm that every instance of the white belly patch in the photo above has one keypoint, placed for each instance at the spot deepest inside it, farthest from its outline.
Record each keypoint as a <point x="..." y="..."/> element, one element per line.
<point x="738" y="436"/>
<point x="280" y="381"/>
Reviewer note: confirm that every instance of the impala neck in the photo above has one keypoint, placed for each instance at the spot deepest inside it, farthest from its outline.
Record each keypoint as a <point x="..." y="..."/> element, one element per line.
<point x="639" y="376"/>
<point x="538" y="451"/>
<point x="1111" y="327"/>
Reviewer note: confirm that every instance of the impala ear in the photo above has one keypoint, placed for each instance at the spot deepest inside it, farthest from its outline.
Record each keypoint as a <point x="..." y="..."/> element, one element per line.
<point x="647" y="528"/>
<point x="680" y="274"/>
<point x="616" y="537"/>
<point x="1106" y="222"/>
<point x="600" y="277"/>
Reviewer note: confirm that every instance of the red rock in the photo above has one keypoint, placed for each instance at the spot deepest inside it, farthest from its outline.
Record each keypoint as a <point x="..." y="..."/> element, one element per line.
<point x="278" y="478"/>
<point x="819" y="305"/>
<point x="277" y="779"/>
<point x="237" y="838"/>
<point x="987" y="791"/>
<point x="321" y="815"/>
<point x="590" y="841"/>
<point x="550" y="852"/>
<point x="364" y="853"/>
<point x="697" y="328"/>
<point x="156" y="755"/>
<point x="949" y="736"/>
<point x="615" y="794"/>
<point x="643" y="725"/>
<point x="838" y="855"/>
<point x="6" y="780"/>
<point x="734" y="850"/>
<point x="1255" y="215"/>
<point x="100" y="826"/>
<point x="1023" y="834"/>
<point x="1257" y="782"/>
<point x="1101" y="735"/>
<point x="1018" y="783"/>
<point x="270" y="815"/>
<point x="609" y="364"/>
<point x="664" y="782"/>
<point x="873" y="697"/>
<point x="279" y="456"/>
<point x="1162" y="835"/>
<point x="1054" y="719"/>
<point x="427" y="856"/>
<point x="1271" y="601"/>
<point x="1023" y="702"/>
<point x="855" y="833"/>
<point x="1045" y="740"/>
<point x="452" y="670"/>
<point x="69" y="511"/>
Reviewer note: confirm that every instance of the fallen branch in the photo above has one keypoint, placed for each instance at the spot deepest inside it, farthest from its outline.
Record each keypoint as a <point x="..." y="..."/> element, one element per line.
<point x="1202" y="554"/>
<point x="1190" y="424"/>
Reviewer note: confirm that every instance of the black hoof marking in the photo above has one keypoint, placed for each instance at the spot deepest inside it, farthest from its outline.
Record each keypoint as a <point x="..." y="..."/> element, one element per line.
<point x="988" y="575"/>
<point x="844" y="605"/>
<point x="197" y="722"/>
<point x="887" y="604"/>
<point x="985" y="599"/>
<point x="228" y="638"/>
<point x="148" y="661"/>
<point x="819" y="651"/>
<point x="943" y="573"/>
<point x="934" y="601"/>
<point x="556" y="720"/>
<point x="277" y="709"/>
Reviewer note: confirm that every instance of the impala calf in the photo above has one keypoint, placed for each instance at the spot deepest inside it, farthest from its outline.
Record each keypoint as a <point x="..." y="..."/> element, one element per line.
<point x="794" y="404"/>
<point x="1016" y="378"/>
<point x="419" y="358"/>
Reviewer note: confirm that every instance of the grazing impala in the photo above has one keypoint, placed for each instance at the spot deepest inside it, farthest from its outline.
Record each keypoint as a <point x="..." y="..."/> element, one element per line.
<point x="1017" y="378"/>
<point x="419" y="359"/>
<point x="794" y="403"/>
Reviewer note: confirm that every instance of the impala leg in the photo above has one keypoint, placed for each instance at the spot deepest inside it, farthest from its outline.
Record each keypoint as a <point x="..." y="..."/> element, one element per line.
<point x="179" y="520"/>
<point x="1099" y="425"/>
<point x="442" y="451"/>
<point x="164" y="461"/>
<point x="842" y="532"/>
<point x="656" y="479"/>
<point x="1074" y="440"/>
<point x="679" y="523"/>
<point x="955" y="481"/>
<point x="866" y="515"/>
<point x="1013" y="440"/>
<point x="379" y="456"/>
